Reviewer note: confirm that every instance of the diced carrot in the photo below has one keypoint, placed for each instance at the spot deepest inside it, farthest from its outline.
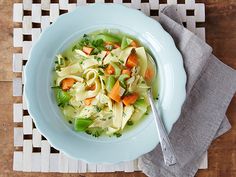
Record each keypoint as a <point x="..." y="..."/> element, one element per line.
<point x="132" y="60"/>
<point x="115" y="92"/>
<point x="149" y="74"/>
<point x="88" y="101"/>
<point x="67" y="83"/>
<point x="134" y="44"/>
<point x="130" y="99"/>
<point x="91" y="87"/>
<point x="126" y="71"/>
<point x="87" y="50"/>
<point x="108" y="52"/>
<point x="110" y="69"/>
<point x="116" y="45"/>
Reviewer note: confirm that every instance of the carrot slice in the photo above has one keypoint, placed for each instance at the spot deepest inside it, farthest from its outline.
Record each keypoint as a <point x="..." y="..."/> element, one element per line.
<point x="110" y="69"/>
<point x="130" y="99"/>
<point x="88" y="101"/>
<point x="67" y="83"/>
<point x="91" y="87"/>
<point x="132" y="60"/>
<point x="116" y="45"/>
<point x="115" y="92"/>
<point x="126" y="71"/>
<point x="108" y="52"/>
<point x="134" y="44"/>
<point x="87" y="50"/>
<point x="149" y="74"/>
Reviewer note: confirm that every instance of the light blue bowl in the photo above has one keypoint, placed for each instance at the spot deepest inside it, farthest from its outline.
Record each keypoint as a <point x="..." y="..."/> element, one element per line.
<point x="40" y="98"/>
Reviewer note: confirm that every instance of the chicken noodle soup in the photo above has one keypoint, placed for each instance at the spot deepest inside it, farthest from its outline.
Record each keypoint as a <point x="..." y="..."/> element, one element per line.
<point x="101" y="83"/>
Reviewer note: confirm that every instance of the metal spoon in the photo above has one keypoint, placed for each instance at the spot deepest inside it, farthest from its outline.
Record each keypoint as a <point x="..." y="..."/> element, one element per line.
<point x="167" y="149"/>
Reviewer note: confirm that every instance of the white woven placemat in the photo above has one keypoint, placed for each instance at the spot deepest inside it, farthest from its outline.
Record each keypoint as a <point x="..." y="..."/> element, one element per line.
<point x="32" y="152"/>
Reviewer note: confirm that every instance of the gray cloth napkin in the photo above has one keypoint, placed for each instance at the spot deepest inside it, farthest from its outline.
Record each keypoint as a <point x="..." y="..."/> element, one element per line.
<point x="210" y="87"/>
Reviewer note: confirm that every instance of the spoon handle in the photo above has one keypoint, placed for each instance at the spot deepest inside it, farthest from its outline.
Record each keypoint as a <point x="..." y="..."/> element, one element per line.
<point x="167" y="149"/>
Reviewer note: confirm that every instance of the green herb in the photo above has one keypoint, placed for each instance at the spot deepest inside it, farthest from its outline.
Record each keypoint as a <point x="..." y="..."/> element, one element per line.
<point x="98" y="59"/>
<point x="117" y="134"/>
<point x="94" y="131"/>
<point x="57" y="68"/>
<point x="81" y="62"/>
<point x="121" y="61"/>
<point x="100" y="73"/>
<point x="109" y="117"/>
<point x="146" y="113"/>
<point x="97" y="108"/>
<point x="86" y="40"/>
<point x="74" y="47"/>
<point x="98" y="43"/>
<point x="130" y="123"/>
<point x="112" y="54"/>
<point x="98" y="46"/>
<point x="82" y="124"/>
<point x="103" y="66"/>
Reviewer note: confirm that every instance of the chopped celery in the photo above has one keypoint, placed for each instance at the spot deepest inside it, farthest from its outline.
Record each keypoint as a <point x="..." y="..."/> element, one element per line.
<point x="82" y="124"/>
<point x="62" y="97"/>
<point x="122" y="79"/>
<point x="94" y="131"/>
<point x="141" y="105"/>
<point x="108" y="38"/>
<point x="117" y="69"/>
<point x="125" y="42"/>
<point x="110" y="83"/>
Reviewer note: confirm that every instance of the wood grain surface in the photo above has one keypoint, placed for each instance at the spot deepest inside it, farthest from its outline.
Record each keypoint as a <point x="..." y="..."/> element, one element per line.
<point x="221" y="35"/>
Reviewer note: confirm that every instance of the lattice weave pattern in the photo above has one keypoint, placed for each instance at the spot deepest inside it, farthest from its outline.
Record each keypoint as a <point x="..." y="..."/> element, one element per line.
<point x="32" y="152"/>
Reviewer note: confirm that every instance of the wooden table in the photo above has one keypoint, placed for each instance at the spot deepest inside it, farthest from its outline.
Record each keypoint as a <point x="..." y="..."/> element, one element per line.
<point x="221" y="35"/>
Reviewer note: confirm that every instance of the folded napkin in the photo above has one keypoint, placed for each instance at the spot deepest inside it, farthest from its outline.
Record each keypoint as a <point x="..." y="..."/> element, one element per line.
<point x="210" y="87"/>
